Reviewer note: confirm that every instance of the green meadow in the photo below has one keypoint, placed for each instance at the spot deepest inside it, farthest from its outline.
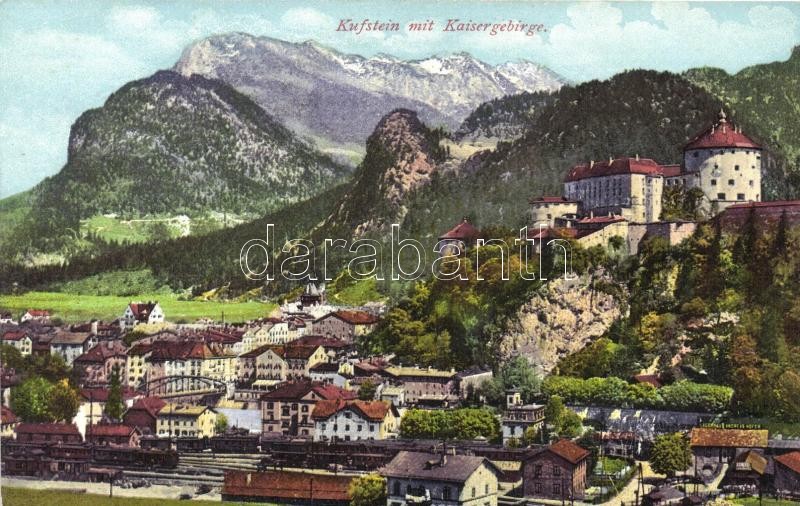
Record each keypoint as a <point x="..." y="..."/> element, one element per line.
<point x="77" y="307"/>
<point x="13" y="496"/>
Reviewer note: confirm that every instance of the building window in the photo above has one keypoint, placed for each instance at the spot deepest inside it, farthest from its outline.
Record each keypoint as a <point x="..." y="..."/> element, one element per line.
<point x="751" y="182"/>
<point x="474" y="492"/>
<point x="537" y="487"/>
<point x="486" y="489"/>
<point x="731" y="182"/>
<point x="713" y="182"/>
<point x="446" y="494"/>
<point x="397" y="488"/>
<point x="735" y="167"/>
<point x="556" y="489"/>
<point x="721" y="196"/>
<point x="740" y="196"/>
<point x="537" y="470"/>
<point x="556" y="471"/>
<point x="695" y="154"/>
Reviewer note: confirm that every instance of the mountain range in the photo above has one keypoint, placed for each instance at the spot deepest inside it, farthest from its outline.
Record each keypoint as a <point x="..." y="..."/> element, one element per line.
<point x="413" y="172"/>
<point x="338" y="98"/>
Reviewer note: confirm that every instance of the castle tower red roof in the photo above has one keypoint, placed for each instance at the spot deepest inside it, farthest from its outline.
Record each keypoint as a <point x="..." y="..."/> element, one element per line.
<point x="722" y="134"/>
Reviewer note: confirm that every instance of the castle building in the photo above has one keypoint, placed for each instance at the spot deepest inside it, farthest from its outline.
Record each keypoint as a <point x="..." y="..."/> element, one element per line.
<point x="724" y="163"/>
<point x="628" y="187"/>
<point x="721" y="161"/>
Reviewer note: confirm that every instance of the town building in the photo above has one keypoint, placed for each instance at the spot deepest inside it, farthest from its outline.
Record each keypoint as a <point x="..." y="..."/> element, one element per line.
<point x="787" y="473"/>
<point x="19" y="339"/>
<point x="287" y="409"/>
<point x="71" y="345"/>
<point x="313" y="295"/>
<point x="48" y="433"/>
<point x="91" y="410"/>
<point x="189" y="358"/>
<point x="181" y="420"/>
<point x="6" y="318"/>
<point x="519" y="417"/>
<point x="425" y="386"/>
<point x="136" y="364"/>
<point x="440" y="480"/>
<point x="470" y="380"/>
<point x="36" y="315"/>
<point x="286" y="487"/>
<point x="329" y="372"/>
<point x="458" y="239"/>
<point x="142" y="312"/>
<point x="713" y="447"/>
<point x="545" y="210"/>
<point x="354" y="420"/>
<point x="115" y="434"/>
<point x="558" y="471"/>
<point x="143" y="414"/>
<point x="97" y="365"/>
<point x="346" y="325"/>
<point x="279" y="363"/>
<point x="8" y="422"/>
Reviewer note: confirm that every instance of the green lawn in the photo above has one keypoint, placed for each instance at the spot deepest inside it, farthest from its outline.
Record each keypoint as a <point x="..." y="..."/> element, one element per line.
<point x="76" y="308"/>
<point x="29" y="497"/>
<point x="611" y="465"/>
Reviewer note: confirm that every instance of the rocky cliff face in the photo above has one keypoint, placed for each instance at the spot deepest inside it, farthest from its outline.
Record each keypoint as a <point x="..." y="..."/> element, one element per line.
<point x="562" y="319"/>
<point x="402" y="155"/>
<point x="340" y="97"/>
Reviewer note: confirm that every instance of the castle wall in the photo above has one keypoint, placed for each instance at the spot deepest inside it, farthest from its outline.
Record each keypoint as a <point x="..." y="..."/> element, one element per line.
<point x="725" y="175"/>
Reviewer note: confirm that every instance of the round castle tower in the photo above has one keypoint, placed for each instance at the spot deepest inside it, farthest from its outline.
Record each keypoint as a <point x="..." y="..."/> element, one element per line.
<point x="725" y="164"/>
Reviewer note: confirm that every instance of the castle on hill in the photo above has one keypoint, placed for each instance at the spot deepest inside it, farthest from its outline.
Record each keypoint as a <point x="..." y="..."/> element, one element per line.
<point x="721" y="161"/>
<point x="623" y="197"/>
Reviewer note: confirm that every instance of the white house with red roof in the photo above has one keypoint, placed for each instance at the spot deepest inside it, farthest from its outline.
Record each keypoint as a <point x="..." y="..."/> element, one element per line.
<point x="142" y="312"/>
<point x="37" y="315"/>
<point x="20" y="340"/>
<point x="354" y="420"/>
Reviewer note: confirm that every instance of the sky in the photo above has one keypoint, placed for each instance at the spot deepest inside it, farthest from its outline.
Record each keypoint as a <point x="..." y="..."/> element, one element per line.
<point x="60" y="58"/>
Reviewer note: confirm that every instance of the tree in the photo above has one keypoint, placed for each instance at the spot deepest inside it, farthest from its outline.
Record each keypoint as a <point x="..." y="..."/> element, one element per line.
<point x="11" y="358"/>
<point x="670" y="454"/>
<point x="64" y="401"/>
<point x="367" y="390"/>
<point x="30" y="401"/>
<point x="114" y="405"/>
<point x="554" y="411"/>
<point x="369" y="490"/>
<point x="222" y="424"/>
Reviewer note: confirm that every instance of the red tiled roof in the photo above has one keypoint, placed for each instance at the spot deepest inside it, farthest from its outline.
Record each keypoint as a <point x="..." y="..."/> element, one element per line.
<point x="111" y="430"/>
<point x="150" y="404"/>
<point x="141" y="310"/>
<point x="7" y="416"/>
<point x="670" y="170"/>
<point x="287" y="486"/>
<point x="318" y="340"/>
<point x="263" y="349"/>
<point x="369" y="410"/>
<point x="294" y="390"/>
<point x="182" y="351"/>
<point x="48" y="428"/>
<point x="729" y="438"/>
<point x="14" y="335"/>
<point x="721" y="134"/>
<point x="102" y="352"/>
<point x="768" y="204"/>
<point x="464" y="231"/>
<point x="569" y="451"/>
<point x="99" y="394"/>
<point x="299" y="352"/>
<point x="354" y="317"/>
<point x="615" y="167"/>
<point x="790" y="460"/>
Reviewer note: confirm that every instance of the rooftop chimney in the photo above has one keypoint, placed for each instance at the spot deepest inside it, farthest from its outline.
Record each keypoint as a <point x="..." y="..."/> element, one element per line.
<point x="637" y="157"/>
<point x="591" y="164"/>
